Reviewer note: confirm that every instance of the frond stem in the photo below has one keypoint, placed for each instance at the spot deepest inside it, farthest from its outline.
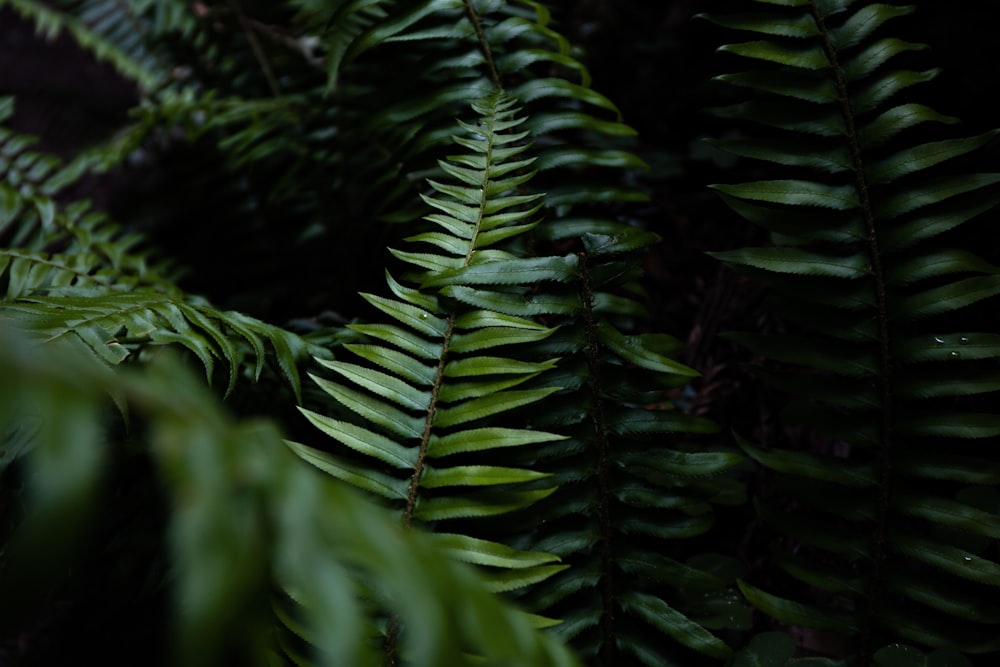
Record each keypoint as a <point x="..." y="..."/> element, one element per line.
<point x="413" y="493"/>
<point x="484" y="44"/>
<point x="425" y="438"/>
<point x="876" y="588"/>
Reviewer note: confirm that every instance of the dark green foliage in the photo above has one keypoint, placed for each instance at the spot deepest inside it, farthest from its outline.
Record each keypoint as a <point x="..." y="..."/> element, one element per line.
<point x="439" y="410"/>
<point x="99" y="289"/>
<point x="499" y="394"/>
<point x="245" y="514"/>
<point x="630" y="486"/>
<point x="426" y="388"/>
<point x="774" y="649"/>
<point x="486" y="264"/>
<point x="890" y="514"/>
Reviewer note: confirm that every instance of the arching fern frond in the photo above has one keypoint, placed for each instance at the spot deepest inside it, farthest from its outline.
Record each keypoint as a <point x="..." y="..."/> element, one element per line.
<point x="428" y="404"/>
<point x="870" y="268"/>
<point x="454" y="49"/>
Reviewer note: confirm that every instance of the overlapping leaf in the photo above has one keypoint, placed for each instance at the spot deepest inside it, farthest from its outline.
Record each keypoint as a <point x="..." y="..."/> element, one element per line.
<point x="629" y="483"/>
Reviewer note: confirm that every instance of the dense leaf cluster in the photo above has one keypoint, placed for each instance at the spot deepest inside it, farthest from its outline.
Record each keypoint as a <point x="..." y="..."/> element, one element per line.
<point x="534" y="483"/>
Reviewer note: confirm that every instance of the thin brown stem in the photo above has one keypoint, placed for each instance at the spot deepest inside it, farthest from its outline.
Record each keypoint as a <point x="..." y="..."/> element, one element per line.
<point x="425" y="439"/>
<point x="484" y="44"/>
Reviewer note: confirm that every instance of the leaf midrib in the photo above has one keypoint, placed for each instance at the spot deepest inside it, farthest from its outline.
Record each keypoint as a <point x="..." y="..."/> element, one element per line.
<point x="885" y="351"/>
<point x="413" y="493"/>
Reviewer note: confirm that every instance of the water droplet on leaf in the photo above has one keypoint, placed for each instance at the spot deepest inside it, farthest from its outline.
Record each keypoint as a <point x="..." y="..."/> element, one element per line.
<point x="963" y="340"/>
<point x="939" y="340"/>
<point x="955" y="355"/>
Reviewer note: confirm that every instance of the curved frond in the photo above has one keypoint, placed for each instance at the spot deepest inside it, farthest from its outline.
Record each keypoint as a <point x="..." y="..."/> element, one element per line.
<point x="415" y="419"/>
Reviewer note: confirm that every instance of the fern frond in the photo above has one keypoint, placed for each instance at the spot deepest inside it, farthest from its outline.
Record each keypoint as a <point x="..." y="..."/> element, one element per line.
<point x="112" y="326"/>
<point x="626" y="498"/>
<point x="453" y="50"/>
<point x="867" y="266"/>
<point x="360" y="155"/>
<point x="417" y="421"/>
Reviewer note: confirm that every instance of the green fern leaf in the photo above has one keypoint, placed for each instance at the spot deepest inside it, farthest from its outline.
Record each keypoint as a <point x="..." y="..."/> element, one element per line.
<point x="795" y="193"/>
<point x="417" y="430"/>
<point x="767" y="24"/>
<point x="657" y="613"/>
<point x="813" y="467"/>
<point x="810" y="57"/>
<point x="797" y="613"/>
<point x="793" y="154"/>
<point x="793" y="260"/>
<point x="372" y="481"/>
<point x="924" y="156"/>
<point x="897" y="119"/>
<point x="475" y="440"/>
